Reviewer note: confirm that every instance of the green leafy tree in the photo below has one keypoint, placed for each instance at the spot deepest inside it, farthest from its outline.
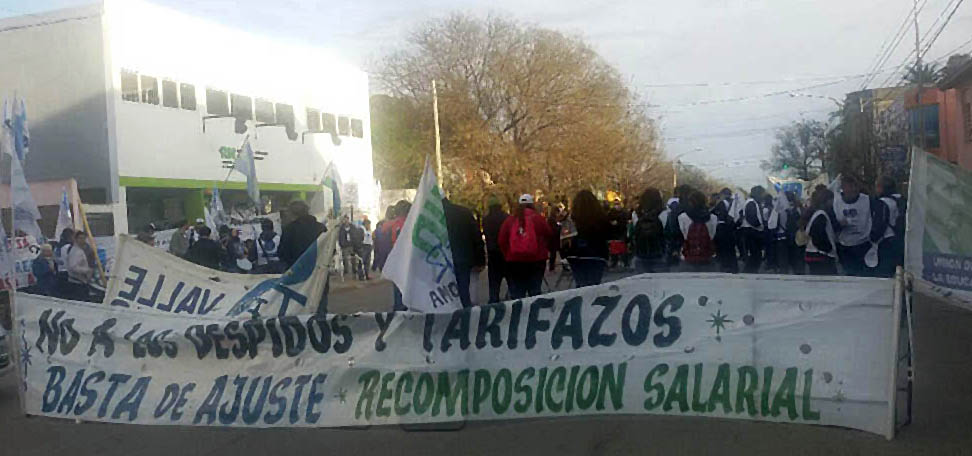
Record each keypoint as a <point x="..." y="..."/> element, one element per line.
<point x="800" y="150"/>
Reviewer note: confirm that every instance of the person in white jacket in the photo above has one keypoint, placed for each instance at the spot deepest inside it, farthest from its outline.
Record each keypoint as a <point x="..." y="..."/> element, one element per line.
<point x="79" y="268"/>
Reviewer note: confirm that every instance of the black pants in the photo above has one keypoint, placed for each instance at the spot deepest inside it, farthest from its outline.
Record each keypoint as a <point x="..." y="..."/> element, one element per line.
<point x="781" y="255"/>
<point x="365" y="254"/>
<point x="822" y="266"/>
<point x="525" y="278"/>
<point x="754" y="250"/>
<point x="587" y="272"/>
<point x="887" y="258"/>
<point x="796" y="259"/>
<point x="496" y="271"/>
<point x="852" y="259"/>
<point x="726" y="250"/>
<point x="462" y="284"/>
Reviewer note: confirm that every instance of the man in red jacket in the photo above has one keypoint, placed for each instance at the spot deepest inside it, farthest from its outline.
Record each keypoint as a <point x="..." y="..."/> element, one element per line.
<point x="523" y="239"/>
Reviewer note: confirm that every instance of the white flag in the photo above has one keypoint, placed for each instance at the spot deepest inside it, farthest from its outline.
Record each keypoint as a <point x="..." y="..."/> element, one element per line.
<point x="16" y="135"/>
<point x="64" y="220"/>
<point x="25" y="213"/>
<point x="244" y="164"/>
<point x="215" y="215"/>
<point x="420" y="263"/>
<point x="301" y="285"/>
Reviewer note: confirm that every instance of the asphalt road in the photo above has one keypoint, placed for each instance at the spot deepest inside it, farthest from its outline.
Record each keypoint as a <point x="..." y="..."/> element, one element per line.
<point x="941" y="424"/>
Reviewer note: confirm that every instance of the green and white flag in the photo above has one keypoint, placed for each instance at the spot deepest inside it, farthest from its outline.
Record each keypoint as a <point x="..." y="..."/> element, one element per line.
<point x="420" y="263"/>
<point x="332" y="180"/>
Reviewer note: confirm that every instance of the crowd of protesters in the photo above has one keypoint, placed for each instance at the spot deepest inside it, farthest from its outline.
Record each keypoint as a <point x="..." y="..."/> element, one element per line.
<point x="849" y="232"/>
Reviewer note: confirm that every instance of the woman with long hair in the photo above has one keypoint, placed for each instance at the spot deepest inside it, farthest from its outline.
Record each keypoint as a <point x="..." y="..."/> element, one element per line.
<point x="524" y="238"/>
<point x="649" y="233"/>
<point x="587" y="251"/>
<point x="821" y="253"/>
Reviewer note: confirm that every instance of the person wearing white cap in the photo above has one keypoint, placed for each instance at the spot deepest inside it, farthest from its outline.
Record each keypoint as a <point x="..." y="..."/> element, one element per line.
<point x="523" y="239"/>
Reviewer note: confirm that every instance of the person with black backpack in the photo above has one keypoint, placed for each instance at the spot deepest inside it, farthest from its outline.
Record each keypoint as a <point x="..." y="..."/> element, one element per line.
<point x="669" y="218"/>
<point x="698" y="228"/>
<point x="587" y="252"/>
<point x="752" y="228"/>
<point x="649" y="233"/>
<point x="726" y="233"/>
<point x="524" y="238"/>
<point x="887" y="229"/>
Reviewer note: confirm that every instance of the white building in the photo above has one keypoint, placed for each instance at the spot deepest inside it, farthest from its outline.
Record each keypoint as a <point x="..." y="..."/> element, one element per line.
<point x="145" y="106"/>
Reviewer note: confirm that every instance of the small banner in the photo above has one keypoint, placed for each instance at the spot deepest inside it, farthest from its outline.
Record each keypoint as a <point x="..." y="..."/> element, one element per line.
<point x="722" y="346"/>
<point x="149" y="279"/>
<point x="22" y="251"/>
<point x="938" y="245"/>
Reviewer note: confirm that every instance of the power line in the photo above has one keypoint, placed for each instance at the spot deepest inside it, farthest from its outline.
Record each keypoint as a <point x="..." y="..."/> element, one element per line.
<point x="887" y="49"/>
<point x="927" y="43"/>
<point x="940" y="29"/>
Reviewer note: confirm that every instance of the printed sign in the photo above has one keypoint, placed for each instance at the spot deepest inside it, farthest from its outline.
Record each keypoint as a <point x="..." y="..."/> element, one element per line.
<point x="22" y="250"/>
<point x="148" y="279"/>
<point x="676" y="344"/>
<point x="938" y="248"/>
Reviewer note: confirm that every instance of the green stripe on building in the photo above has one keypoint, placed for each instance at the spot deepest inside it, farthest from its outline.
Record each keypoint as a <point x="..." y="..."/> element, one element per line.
<point x="159" y="182"/>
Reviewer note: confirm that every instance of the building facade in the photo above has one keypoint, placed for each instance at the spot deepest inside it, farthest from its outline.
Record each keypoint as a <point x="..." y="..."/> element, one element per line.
<point x="146" y="108"/>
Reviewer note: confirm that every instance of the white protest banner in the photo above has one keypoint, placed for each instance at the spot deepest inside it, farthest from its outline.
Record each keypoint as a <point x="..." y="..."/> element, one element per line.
<point x="420" y="263"/>
<point x="149" y="279"/>
<point x="22" y="251"/>
<point x="743" y="347"/>
<point x="938" y="245"/>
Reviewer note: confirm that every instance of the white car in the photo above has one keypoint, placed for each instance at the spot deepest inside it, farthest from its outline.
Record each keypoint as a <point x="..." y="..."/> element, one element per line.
<point x="6" y="361"/>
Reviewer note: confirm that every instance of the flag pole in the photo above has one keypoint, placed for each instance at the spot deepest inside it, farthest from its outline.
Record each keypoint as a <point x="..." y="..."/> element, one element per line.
<point x="438" y="145"/>
<point x="101" y="269"/>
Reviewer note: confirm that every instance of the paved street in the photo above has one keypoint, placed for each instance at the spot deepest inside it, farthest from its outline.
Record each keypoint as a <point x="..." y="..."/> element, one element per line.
<point x="942" y="403"/>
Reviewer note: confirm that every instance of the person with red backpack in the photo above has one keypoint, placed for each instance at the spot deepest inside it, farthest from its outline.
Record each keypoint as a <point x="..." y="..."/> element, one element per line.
<point x="523" y="239"/>
<point x="698" y="227"/>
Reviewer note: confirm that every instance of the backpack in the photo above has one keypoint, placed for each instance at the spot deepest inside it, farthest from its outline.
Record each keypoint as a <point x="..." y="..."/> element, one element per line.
<point x="523" y="239"/>
<point x="673" y="234"/>
<point x="647" y="237"/>
<point x="698" y="247"/>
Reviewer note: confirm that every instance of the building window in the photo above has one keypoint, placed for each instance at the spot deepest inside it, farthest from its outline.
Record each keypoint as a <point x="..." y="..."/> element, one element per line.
<point x="187" y="97"/>
<point x="285" y="117"/>
<point x="329" y="124"/>
<point x="357" y="128"/>
<point x="264" y="112"/>
<point x="129" y="86"/>
<point x="924" y="126"/>
<point x="149" y="89"/>
<point x="344" y="126"/>
<point x="313" y="120"/>
<point x="170" y="94"/>
<point x="216" y="103"/>
<point x="242" y="106"/>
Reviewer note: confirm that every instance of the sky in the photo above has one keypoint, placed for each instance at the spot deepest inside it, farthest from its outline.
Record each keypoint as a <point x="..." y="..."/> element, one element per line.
<point x="721" y="75"/>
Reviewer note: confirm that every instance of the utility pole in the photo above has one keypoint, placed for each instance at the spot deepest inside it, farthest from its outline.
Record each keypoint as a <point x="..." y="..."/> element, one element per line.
<point x="438" y="144"/>
<point x="918" y="74"/>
